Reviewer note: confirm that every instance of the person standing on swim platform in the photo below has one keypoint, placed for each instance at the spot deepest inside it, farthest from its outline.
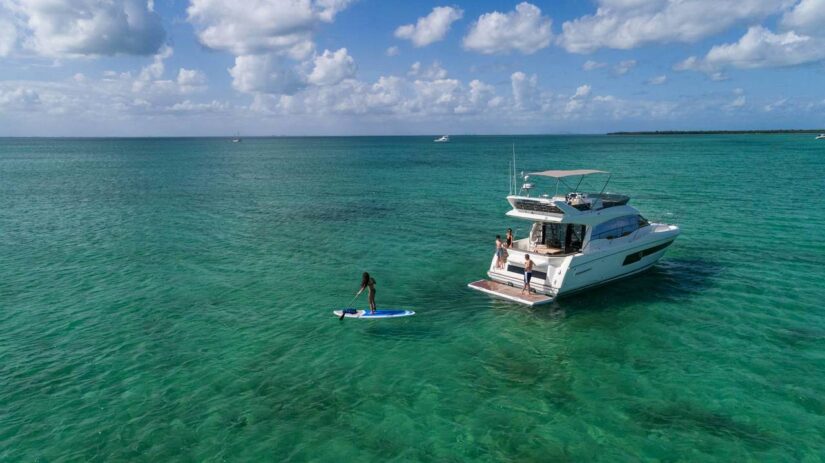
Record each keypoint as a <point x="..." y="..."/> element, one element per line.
<point x="528" y="273"/>
<point x="499" y="252"/>
<point x="367" y="282"/>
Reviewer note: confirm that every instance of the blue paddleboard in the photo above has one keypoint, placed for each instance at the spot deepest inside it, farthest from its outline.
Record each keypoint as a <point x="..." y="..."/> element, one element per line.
<point x="381" y="313"/>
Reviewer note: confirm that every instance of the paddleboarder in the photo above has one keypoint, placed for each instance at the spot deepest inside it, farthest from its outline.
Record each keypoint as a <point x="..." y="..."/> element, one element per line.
<point x="368" y="282"/>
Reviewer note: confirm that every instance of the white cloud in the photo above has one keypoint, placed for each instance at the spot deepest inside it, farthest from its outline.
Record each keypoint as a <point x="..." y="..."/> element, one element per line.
<point x="283" y="27"/>
<point x="480" y="96"/>
<point x="8" y="36"/>
<point x="19" y="99"/>
<point x="657" y="80"/>
<point x="623" y="67"/>
<point x="187" y="106"/>
<point x="808" y="16"/>
<point x="392" y="51"/>
<point x="582" y="91"/>
<point x="191" y="80"/>
<point x="626" y="24"/>
<point x="591" y="65"/>
<point x="88" y="27"/>
<point x="434" y="72"/>
<point x="430" y="28"/>
<point x="739" y="101"/>
<point x="524" y="30"/>
<point x="526" y="94"/>
<point x="264" y="74"/>
<point x="778" y="104"/>
<point x="330" y="68"/>
<point x="758" y="48"/>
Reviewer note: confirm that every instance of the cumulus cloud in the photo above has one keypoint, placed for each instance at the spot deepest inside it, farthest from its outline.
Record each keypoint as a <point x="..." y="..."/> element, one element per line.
<point x="19" y="99"/>
<point x="330" y="68"/>
<point x="778" y="104"/>
<point x="738" y="102"/>
<point x="591" y="65"/>
<point x="430" y="28"/>
<point x="86" y="27"/>
<point x="626" y="24"/>
<point x="623" y="67"/>
<point x="414" y="99"/>
<point x="524" y="30"/>
<point x="581" y="92"/>
<point x="191" y="80"/>
<point x="252" y="27"/>
<point x="808" y="16"/>
<point x="8" y="36"/>
<point x="433" y="72"/>
<point x="758" y="48"/>
<point x="264" y="74"/>
<point x="526" y="93"/>
<point x="392" y="51"/>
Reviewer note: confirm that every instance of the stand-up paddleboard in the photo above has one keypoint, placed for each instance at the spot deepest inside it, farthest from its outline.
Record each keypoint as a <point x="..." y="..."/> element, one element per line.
<point x="366" y="314"/>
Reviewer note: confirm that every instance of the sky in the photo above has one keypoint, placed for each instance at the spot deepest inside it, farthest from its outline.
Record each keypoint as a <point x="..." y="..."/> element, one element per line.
<point x="384" y="67"/>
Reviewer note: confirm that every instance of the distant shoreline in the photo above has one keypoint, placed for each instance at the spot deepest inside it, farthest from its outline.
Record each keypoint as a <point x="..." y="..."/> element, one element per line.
<point x="719" y="132"/>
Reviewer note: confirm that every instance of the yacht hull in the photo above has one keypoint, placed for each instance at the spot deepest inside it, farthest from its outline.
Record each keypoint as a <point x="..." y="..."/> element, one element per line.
<point x="562" y="276"/>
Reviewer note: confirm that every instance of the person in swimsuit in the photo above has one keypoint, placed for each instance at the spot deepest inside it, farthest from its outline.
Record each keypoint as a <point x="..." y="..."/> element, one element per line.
<point x="499" y="251"/>
<point x="528" y="273"/>
<point x="367" y="282"/>
<point x="509" y="238"/>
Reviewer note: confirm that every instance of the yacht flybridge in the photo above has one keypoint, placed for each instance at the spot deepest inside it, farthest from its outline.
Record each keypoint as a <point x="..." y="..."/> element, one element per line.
<point x="576" y="241"/>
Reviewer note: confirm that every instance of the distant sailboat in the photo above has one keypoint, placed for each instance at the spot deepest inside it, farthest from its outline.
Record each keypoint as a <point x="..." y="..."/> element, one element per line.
<point x="237" y="138"/>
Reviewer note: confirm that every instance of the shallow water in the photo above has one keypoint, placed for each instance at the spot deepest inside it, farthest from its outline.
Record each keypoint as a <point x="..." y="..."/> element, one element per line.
<point x="170" y="299"/>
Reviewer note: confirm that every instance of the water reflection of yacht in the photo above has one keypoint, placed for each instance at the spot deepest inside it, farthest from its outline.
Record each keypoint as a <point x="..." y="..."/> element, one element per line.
<point x="577" y="241"/>
<point x="442" y="139"/>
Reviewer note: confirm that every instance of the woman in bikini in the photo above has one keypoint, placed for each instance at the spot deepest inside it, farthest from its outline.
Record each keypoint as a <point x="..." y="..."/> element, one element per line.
<point x="367" y="282"/>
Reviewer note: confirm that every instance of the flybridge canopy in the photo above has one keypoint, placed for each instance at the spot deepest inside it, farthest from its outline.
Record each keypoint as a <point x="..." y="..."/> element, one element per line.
<point x="567" y="173"/>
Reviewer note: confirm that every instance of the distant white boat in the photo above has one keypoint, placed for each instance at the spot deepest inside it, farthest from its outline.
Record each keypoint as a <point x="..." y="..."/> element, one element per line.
<point x="237" y="138"/>
<point x="820" y="136"/>
<point x="442" y="139"/>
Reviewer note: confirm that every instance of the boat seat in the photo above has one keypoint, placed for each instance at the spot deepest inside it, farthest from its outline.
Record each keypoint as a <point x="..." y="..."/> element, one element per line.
<point x="548" y="250"/>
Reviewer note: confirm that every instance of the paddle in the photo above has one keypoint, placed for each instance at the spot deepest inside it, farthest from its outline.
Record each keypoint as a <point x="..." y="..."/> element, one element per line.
<point x="344" y="310"/>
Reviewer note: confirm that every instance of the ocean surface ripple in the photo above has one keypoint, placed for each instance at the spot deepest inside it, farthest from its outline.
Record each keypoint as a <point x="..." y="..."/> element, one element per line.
<point x="170" y="300"/>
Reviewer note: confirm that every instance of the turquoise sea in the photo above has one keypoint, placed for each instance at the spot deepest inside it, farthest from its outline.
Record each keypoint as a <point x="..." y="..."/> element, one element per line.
<point x="170" y="300"/>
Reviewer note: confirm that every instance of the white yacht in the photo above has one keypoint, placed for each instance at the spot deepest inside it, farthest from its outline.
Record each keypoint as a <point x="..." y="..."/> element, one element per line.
<point x="820" y="136"/>
<point x="576" y="241"/>
<point x="442" y="139"/>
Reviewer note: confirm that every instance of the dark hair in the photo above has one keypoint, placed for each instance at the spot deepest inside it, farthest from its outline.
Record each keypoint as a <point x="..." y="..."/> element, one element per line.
<point x="365" y="279"/>
<point x="510" y="230"/>
<point x="498" y="237"/>
<point x="527" y="256"/>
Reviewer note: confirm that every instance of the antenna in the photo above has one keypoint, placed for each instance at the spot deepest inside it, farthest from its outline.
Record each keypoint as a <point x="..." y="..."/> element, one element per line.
<point x="515" y="182"/>
<point x="510" y="175"/>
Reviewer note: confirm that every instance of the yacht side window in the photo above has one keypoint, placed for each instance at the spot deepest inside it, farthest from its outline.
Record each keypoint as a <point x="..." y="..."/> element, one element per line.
<point x="618" y="227"/>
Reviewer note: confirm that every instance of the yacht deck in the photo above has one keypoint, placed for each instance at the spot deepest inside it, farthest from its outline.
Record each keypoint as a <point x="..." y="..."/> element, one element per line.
<point x="511" y="293"/>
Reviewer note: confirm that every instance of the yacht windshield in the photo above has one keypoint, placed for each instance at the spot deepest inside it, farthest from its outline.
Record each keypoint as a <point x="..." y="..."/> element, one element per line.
<point x="618" y="227"/>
